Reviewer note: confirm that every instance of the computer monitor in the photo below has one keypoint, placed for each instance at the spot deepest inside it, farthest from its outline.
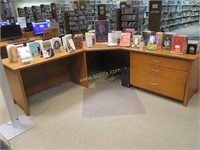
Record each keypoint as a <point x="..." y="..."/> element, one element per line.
<point x="10" y="31"/>
<point x="4" y="23"/>
<point x="39" y="27"/>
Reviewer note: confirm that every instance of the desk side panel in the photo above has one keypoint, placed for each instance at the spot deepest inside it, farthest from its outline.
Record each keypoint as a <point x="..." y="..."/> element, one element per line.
<point x="193" y="81"/>
<point x="78" y="69"/>
<point x="17" y="89"/>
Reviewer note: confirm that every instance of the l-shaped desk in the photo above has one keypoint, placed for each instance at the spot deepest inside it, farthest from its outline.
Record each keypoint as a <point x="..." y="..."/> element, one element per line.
<point x="170" y="75"/>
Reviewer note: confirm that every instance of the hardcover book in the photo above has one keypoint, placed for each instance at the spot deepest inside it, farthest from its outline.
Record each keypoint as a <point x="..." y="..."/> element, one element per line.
<point x="153" y="41"/>
<point x="89" y="41"/>
<point x="64" y="38"/>
<point x="112" y="39"/>
<point x="56" y="45"/>
<point x="101" y="30"/>
<point x="179" y="44"/>
<point x="146" y="36"/>
<point x="167" y="41"/>
<point x="25" y="54"/>
<point x="125" y="40"/>
<point x="136" y="41"/>
<point x="70" y="45"/>
<point x="193" y="47"/>
<point x="47" y="49"/>
<point x="33" y="48"/>
<point x="78" y="41"/>
<point x="160" y="38"/>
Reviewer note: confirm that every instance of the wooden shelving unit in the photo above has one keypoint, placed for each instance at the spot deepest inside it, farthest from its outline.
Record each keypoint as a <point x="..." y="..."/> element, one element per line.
<point x="134" y="15"/>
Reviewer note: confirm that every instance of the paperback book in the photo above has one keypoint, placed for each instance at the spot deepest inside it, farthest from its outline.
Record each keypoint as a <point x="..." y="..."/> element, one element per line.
<point x="101" y="30"/>
<point x="153" y="41"/>
<point x="136" y="41"/>
<point x="193" y="47"/>
<point x="112" y="39"/>
<point x="33" y="48"/>
<point x="64" y="38"/>
<point x="89" y="41"/>
<point x="70" y="45"/>
<point x="179" y="44"/>
<point x="25" y="54"/>
<point x="160" y="38"/>
<point x="47" y="49"/>
<point x="167" y="41"/>
<point x="56" y="45"/>
<point x="78" y="41"/>
<point x="118" y="35"/>
<point x="88" y="34"/>
<point x="12" y="53"/>
<point x="146" y="36"/>
<point x="125" y="40"/>
<point x="40" y="47"/>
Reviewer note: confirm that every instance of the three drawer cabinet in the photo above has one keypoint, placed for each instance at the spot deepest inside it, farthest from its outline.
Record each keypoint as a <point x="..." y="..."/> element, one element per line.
<point x="167" y="76"/>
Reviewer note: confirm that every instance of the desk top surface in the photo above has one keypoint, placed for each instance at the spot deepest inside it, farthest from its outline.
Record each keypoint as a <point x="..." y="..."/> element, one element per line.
<point x="98" y="47"/>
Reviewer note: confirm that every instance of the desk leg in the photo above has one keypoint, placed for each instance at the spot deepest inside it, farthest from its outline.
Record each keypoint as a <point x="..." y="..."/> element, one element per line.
<point x="78" y="69"/>
<point x="17" y="89"/>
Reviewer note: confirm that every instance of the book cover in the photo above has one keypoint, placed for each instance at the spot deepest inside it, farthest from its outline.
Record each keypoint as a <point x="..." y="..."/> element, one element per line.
<point x="33" y="48"/>
<point x="167" y="41"/>
<point x="92" y="35"/>
<point x="19" y="45"/>
<point x="112" y="39"/>
<point x="160" y="38"/>
<point x="89" y="41"/>
<point x="70" y="45"/>
<point x="146" y="36"/>
<point x="47" y="49"/>
<point x="40" y="47"/>
<point x="118" y="35"/>
<point x="193" y="47"/>
<point x="56" y="45"/>
<point x="25" y="54"/>
<point x="179" y="44"/>
<point x="64" y="38"/>
<point x="125" y="39"/>
<point x="101" y="30"/>
<point x="78" y="41"/>
<point x="136" y="41"/>
<point x="153" y="41"/>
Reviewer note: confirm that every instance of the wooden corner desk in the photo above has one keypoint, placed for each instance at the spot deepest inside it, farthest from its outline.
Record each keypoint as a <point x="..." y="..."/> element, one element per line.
<point x="160" y="72"/>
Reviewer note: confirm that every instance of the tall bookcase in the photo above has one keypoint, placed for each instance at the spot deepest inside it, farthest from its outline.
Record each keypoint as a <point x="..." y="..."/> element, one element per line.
<point x="77" y="21"/>
<point x="178" y="14"/>
<point x="134" y="14"/>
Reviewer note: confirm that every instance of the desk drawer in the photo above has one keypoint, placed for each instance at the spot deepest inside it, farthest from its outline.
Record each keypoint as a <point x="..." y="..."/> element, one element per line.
<point x="155" y="84"/>
<point x="160" y="61"/>
<point x="161" y="72"/>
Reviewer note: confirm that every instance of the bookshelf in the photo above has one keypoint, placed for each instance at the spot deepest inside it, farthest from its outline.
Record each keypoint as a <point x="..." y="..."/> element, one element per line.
<point x="77" y="21"/>
<point x="178" y="14"/>
<point x="46" y="12"/>
<point x="29" y="14"/>
<point x="134" y="14"/>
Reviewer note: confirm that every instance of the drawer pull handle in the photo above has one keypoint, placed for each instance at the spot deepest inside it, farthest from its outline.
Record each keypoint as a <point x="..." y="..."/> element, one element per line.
<point x="154" y="70"/>
<point x="156" y="61"/>
<point x="154" y="83"/>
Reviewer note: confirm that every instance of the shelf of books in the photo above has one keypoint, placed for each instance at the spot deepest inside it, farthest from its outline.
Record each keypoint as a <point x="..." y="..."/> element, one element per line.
<point x="178" y="14"/>
<point x="77" y="21"/>
<point x="135" y="15"/>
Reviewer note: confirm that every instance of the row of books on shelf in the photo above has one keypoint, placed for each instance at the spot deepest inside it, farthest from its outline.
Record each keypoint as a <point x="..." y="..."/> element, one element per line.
<point x="128" y="17"/>
<point x="171" y="2"/>
<point x="77" y="18"/>
<point x="179" y="15"/>
<point x="129" y="24"/>
<point x="179" y="21"/>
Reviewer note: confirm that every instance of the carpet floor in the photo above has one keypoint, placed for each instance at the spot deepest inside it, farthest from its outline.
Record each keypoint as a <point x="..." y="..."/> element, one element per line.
<point x="60" y="124"/>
